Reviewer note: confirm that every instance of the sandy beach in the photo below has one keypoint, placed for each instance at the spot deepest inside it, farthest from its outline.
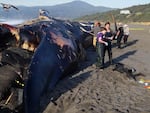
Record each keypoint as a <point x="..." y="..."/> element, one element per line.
<point x="90" y="90"/>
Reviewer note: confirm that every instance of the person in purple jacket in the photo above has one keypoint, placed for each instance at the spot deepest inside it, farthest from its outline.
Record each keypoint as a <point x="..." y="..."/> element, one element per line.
<point x="100" y="47"/>
<point x="103" y="44"/>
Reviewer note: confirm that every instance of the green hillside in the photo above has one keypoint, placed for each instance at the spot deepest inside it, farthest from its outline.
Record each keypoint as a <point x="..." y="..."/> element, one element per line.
<point x="139" y="13"/>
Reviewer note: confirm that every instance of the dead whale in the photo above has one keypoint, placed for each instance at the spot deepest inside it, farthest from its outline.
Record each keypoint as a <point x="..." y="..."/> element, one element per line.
<point x="57" y="54"/>
<point x="58" y="46"/>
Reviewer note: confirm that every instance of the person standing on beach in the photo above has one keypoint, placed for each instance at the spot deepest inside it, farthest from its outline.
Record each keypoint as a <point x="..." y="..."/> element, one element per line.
<point x="108" y="38"/>
<point x="119" y="35"/>
<point x="126" y="33"/>
<point x="101" y="47"/>
<point x="96" y="29"/>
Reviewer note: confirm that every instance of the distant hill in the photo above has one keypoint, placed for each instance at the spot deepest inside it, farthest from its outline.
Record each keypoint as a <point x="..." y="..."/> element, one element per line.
<point x="69" y="10"/>
<point x="139" y="13"/>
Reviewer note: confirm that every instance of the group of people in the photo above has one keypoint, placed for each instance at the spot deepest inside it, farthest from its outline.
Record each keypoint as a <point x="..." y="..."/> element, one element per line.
<point x="103" y="37"/>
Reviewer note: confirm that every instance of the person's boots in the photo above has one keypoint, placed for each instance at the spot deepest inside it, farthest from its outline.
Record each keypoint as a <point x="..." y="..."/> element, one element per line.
<point x="102" y="63"/>
<point x="98" y="63"/>
<point x="110" y="60"/>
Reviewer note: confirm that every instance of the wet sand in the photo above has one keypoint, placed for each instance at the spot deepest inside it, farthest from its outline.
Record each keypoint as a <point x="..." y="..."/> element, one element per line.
<point x="90" y="90"/>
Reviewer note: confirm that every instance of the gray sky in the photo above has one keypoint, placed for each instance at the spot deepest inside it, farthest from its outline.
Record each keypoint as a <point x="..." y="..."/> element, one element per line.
<point x="107" y="3"/>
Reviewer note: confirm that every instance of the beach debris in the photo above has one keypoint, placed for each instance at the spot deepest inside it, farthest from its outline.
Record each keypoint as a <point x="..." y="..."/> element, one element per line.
<point x="129" y="71"/>
<point x="147" y="87"/>
<point x="143" y="81"/>
<point x="9" y="98"/>
<point x="146" y="83"/>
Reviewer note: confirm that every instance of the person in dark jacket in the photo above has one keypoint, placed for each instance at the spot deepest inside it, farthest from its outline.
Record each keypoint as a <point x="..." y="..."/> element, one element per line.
<point x="108" y="39"/>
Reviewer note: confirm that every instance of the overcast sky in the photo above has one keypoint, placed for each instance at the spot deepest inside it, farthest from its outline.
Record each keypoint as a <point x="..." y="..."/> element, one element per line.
<point x="107" y="3"/>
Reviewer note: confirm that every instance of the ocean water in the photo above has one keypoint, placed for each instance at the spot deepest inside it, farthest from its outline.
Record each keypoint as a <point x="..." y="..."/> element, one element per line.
<point x="11" y="21"/>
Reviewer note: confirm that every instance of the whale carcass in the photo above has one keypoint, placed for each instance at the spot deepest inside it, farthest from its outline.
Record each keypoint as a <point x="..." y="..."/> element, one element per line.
<point x="58" y="47"/>
<point x="58" y="54"/>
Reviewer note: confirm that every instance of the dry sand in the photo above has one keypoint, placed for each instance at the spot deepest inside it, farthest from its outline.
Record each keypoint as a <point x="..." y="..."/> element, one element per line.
<point x="90" y="90"/>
